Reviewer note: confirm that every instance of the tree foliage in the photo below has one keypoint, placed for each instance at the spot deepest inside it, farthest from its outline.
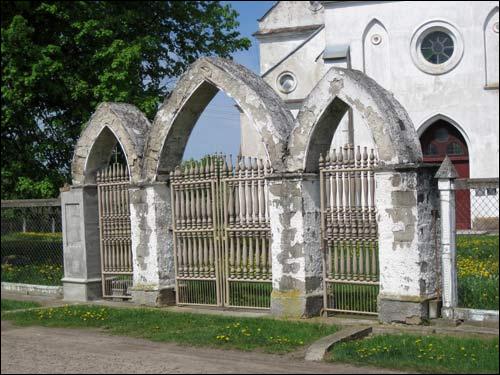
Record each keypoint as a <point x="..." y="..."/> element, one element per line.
<point x="61" y="59"/>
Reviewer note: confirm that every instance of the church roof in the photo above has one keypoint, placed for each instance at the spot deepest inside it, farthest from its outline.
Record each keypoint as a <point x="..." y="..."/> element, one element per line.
<point x="321" y="27"/>
<point x="268" y="11"/>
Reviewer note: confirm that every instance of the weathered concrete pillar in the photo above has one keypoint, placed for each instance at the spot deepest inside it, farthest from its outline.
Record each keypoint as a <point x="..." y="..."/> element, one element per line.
<point x="152" y="249"/>
<point x="446" y="176"/>
<point x="82" y="259"/>
<point x="295" y="244"/>
<point x="405" y="202"/>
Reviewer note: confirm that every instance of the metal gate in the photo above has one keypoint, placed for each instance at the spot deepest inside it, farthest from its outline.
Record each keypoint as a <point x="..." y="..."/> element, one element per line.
<point x="349" y="231"/>
<point x="114" y="231"/>
<point x="221" y="233"/>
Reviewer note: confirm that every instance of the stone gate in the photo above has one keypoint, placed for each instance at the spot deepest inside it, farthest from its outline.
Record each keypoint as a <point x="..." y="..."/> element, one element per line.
<point x="405" y="192"/>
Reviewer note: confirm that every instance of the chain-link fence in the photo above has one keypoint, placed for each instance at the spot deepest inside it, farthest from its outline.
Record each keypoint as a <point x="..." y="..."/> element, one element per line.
<point x="31" y="241"/>
<point x="477" y="224"/>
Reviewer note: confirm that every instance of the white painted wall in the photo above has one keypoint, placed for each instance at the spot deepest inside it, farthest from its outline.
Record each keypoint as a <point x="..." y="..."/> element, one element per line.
<point x="287" y="14"/>
<point x="467" y="94"/>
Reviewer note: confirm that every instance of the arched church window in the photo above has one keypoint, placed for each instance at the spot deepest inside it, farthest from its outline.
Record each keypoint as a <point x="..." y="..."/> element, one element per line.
<point x="441" y="134"/>
<point x="431" y="150"/>
<point x="454" y="149"/>
<point x="441" y="139"/>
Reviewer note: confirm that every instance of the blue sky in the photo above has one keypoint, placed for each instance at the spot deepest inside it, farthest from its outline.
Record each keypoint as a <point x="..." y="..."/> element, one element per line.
<point x="218" y="129"/>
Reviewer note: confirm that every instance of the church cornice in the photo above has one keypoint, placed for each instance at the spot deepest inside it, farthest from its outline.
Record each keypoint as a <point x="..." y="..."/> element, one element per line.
<point x="286" y="31"/>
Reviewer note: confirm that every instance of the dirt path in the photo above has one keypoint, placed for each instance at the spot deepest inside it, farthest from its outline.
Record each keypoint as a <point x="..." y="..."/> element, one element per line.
<point x="60" y="350"/>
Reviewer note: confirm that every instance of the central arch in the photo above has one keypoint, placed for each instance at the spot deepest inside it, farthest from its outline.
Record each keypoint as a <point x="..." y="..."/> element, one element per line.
<point x="163" y="152"/>
<point x="195" y="89"/>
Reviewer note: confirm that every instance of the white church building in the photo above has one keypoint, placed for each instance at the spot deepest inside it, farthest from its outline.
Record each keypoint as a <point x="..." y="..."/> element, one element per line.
<point x="440" y="59"/>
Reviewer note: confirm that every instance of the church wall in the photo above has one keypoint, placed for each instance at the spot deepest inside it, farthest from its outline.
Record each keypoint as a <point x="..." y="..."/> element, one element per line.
<point x="467" y="93"/>
<point x="459" y="93"/>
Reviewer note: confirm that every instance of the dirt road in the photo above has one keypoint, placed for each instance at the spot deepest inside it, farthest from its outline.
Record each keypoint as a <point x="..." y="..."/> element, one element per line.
<point x="59" y="350"/>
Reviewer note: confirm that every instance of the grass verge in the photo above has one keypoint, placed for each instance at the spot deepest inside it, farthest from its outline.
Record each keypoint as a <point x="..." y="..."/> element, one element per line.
<point x="37" y="274"/>
<point x="263" y="334"/>
<point x="10" y="304"/>
<point x="477" y="266"/>
<point x="429" y="354"/>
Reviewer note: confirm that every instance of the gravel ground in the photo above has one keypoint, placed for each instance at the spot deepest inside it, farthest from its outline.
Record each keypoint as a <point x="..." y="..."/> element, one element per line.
<point x="61" y="350"/>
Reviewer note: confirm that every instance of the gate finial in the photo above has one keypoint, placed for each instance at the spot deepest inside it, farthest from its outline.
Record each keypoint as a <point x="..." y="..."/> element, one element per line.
<point x="446" y="170"/>
<point x="230" y="164"/>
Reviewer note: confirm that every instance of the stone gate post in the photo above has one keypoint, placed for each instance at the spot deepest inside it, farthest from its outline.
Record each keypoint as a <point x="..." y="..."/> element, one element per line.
<point x="80" y="227"/>
<point x="295" y="244"/>
<point x="446" y="176"/>
<point x="405" y="201"/>
<point x="154" y="275"/>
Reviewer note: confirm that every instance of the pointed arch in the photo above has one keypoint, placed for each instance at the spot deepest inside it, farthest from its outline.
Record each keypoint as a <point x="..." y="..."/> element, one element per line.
<point x="491" y="49"/>
<point x="197" y="86"/>
<point x="110" y="124"/>
<point x="440" y="116"/>
<point x="376" y="53"/>
<point x="393" y="132"/>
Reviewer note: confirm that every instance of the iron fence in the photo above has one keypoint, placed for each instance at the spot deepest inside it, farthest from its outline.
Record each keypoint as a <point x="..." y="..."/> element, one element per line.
<point x="349" y="230"/>
<point x="31" y="241"/>
<point x="477" y="228"/>
<point x="222" y="233"/>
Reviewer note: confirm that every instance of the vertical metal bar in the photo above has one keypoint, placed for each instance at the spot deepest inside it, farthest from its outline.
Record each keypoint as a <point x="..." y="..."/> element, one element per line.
<point x="257" y="270"/>
<point x="176" y="207"/>
<point x="100" y="210"/>
<point x="225" y="209"/>
<point x="322" y="229"/>
<point x="244" y="256"/>
<point x="215" y="202"/>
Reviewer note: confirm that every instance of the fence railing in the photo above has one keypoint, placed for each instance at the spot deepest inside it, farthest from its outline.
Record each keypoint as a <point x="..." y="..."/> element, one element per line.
<point x="31" y="241"/>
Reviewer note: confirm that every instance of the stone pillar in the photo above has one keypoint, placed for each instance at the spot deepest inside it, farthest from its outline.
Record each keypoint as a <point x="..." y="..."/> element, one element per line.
<point x="404" y="201"/>
<point x="295" y="244"/>
<point x="82" y="258"/>
<point x="446" y="176"/>
<point x="152" y="245"/>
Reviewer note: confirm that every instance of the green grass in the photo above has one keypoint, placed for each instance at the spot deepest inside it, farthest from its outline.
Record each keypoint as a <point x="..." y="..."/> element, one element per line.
<point x="32" y="258"/>
<point x="32" y="236"/>
<point x="32" y="248"/>
<point x="263" y="334"/>
<point x="477" y="265"/>
<point x="10" y="304"/>
<point x="38" y="274"/>
<point x="429" y="354"/>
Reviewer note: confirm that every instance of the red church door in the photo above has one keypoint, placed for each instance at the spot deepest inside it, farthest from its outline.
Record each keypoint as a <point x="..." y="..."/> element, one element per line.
<point x="441" y="139"/>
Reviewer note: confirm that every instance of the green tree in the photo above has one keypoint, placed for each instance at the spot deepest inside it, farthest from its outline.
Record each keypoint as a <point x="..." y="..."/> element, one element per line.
<point x="61" y="59"/>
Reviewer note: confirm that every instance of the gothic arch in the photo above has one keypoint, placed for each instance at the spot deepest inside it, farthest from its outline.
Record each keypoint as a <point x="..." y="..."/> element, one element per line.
<point x="440" y="116"/>
<point x="370" y="25"/>
<point x="376" y="53"/>
<point x="197" y="86"/>
<point x="392" y="130"/>
<point x="491" y="49"/>
<point x="110" y="123"/>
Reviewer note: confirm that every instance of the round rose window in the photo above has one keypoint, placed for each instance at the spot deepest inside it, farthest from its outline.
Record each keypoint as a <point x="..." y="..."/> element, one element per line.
<point x="437" y="47"/>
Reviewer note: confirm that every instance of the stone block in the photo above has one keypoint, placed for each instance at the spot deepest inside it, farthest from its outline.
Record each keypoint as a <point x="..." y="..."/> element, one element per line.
<point x="154" y="298"/>
<point x="403" y="311"/>
<point x="82" y="290"/>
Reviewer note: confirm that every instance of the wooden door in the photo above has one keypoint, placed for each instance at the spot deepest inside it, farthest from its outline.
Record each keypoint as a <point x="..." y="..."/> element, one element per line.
<point x="439" y="140"/>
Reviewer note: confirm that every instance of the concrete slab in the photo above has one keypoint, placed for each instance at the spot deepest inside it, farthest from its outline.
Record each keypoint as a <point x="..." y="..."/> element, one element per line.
<point x="317" y="351"/>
